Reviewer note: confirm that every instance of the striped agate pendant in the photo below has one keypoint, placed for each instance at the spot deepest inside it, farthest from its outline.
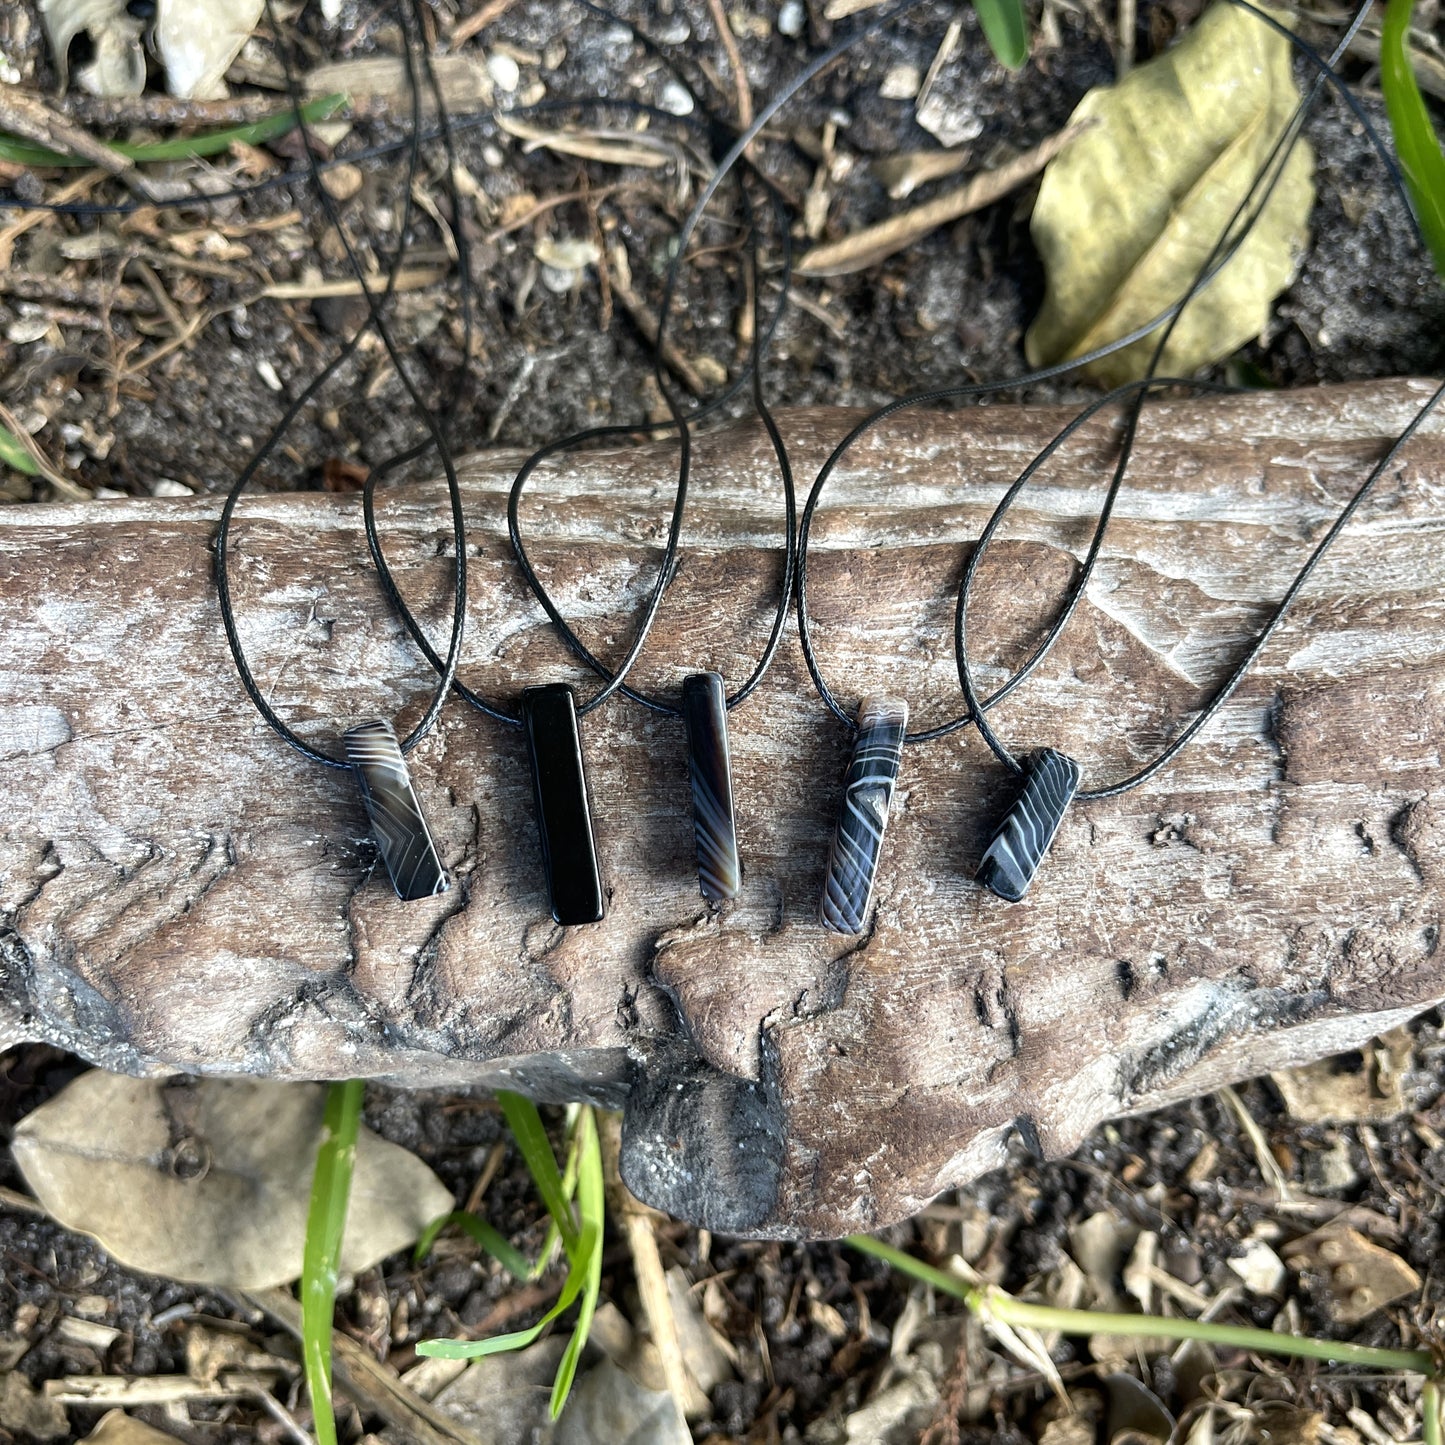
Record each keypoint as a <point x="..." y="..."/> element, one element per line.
<point x="1018" y="847"/>
<point x="867" y="797"/>
<point x="564" y="811"/>
<point x="402" y="836"/>
<point x="705" y="715"/>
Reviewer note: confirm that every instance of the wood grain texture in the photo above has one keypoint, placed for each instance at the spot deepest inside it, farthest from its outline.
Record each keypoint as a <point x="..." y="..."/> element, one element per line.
<point x="178" y="890"/>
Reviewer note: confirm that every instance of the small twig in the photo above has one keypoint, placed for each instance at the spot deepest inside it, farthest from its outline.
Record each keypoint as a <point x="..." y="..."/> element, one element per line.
<point x="646" y="322"/>
<point x="166" y="110"/>
<point x="743" y="90"/>
<point x="29" y="116"/>
<point x="875" y="243"/>
<point x="14" y="1199"/>
<point x="1428" y="69"/>
<point x="411" y="279"/>
<point x="92" y="295"/>
<point x="28" y="220"/>
<point x="495" y="1156"/>
<point x="941" y="57"/>
<point x="62" y="484"/>
<point x="1268" y="1165"/>
<point x="1124" y="54"/>
<point x="476" y="22"/>
<point x="283" y="1417"/>
<point x="377" y="1388"/>
<point x="174" y="319"/>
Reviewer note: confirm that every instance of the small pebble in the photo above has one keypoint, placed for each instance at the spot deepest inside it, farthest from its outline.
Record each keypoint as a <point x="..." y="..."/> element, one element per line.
<point x="675" y="99"/>
<point x="342" y="182"/>
<point x="901" y="83"/>
<point x="339" y="315"/>
<point x="165" y="487"/>
<point x="27" y="329"/>
<point x="505" y="72"/>
<point x="267" y="373"/>
<point x="791" y="18"/>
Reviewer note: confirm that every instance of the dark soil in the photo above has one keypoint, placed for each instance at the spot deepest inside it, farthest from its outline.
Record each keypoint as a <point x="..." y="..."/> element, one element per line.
<point x="952" y="308"/>
<point x="797" y="1377"/>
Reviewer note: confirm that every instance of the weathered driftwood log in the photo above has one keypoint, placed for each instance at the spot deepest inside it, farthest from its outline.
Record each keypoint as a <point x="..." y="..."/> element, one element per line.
<point x="180" y="891"/>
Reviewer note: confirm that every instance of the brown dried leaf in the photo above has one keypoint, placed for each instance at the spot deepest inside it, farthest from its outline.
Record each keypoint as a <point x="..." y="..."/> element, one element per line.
<point x="1354" y="1276"/>
<point x="208" y="1181"/>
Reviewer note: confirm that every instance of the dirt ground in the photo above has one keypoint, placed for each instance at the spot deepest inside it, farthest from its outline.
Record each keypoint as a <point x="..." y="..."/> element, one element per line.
<point x="141" y="351"/>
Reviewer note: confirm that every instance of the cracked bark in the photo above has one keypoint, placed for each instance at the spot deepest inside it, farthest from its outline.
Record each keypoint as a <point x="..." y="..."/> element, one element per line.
<point x="178" y="891"/>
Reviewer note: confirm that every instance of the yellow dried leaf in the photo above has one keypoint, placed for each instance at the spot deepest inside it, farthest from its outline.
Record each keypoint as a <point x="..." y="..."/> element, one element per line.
<point x="1128" y="213"/>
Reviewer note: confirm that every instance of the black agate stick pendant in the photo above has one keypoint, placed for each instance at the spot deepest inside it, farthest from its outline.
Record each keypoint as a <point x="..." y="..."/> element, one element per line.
<point x="564" y="813"/>
<point x="1022" y="839"/>
<point x="705" y="715"/>
<point x="867" y="798"/>
<point x="402" y="836"/>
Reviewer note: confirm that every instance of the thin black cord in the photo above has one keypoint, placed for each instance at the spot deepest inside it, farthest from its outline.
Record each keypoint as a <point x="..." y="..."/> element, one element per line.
<point x="613" y="681"/>
<point x="1223" y="253"/>
<point x="762" y="337"/>
<point x="1242" y="667"/>
<point x="376" y="321"/>
<point x="1139" y="390"/>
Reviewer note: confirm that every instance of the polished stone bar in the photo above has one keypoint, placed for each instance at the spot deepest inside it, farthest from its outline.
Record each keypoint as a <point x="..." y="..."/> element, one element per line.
<point x="867" y="798"/>
<point x="1018" y="847"/>
<point x="402" y="836"/>
<point x="564" y="813"/>
<point x="705" y="715"/>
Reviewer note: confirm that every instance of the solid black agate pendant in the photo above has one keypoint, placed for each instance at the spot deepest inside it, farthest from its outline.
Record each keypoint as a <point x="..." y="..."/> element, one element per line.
<point x="402" y="836"/>
<point x="867" y="798"/>
<point x="1022" y="839"/>
<point x="705" y="715"/>
<point x="564" y="813"/>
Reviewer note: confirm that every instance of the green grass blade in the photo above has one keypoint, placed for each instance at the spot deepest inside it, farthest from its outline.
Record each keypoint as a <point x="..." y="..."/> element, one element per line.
<point x="321" y="1260"/>
<point x="526" y="1126"/>
<point x="995" y="1304"/>
<point x="1415" y="140"/>
<point x="590" y="1199"/>
<point x="552" y="1240"/>
<point x="511" y="1259"/>
<point x="26" y="153"/>
<point x="1006" y="30"/>
<point x="12" y="454"/>
<point x="517" y="1340"/>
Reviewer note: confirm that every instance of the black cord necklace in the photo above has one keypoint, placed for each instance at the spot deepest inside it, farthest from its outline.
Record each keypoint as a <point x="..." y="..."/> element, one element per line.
<point x="1051" y="778"/>
<point x="705" y="701"/>
<point x="880" y="726"/>
<point x="550" y="714"/>
<point x="371" y="748"/>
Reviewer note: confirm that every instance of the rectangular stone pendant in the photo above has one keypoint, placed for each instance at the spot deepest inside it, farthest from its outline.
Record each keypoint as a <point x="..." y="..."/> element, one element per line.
<point x="705" y="715"/>
<point x="402" y="836"/>
<point x="564" y="813"/>
<point x="867" y="797"/>
<point x="1022" y="839"/>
